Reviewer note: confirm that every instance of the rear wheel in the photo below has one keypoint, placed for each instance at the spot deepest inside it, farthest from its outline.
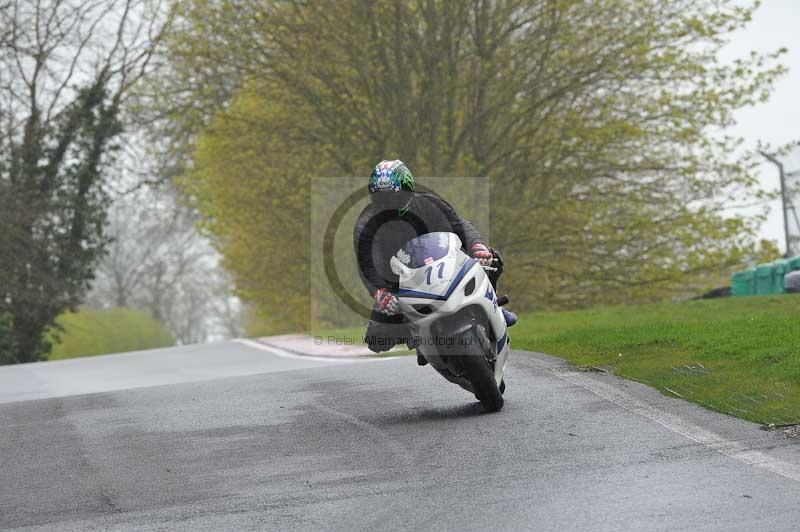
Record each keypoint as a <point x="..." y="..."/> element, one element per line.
<point x="478" y="371"/>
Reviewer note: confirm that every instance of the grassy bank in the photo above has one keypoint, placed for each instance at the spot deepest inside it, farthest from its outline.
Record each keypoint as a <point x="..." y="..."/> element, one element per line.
<point x="739" y="356"/>
<point x="99" y="332"/>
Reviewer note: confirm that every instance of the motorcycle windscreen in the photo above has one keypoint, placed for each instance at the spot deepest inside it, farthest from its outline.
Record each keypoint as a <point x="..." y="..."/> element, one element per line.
<point x="431" y="261"/>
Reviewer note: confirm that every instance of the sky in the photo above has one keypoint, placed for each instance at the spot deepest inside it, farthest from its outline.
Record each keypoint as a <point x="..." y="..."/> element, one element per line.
<point x="775" y="24"/>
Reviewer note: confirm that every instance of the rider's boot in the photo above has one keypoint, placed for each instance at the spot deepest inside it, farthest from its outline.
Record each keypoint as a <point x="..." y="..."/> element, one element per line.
<point x="511" y="318"/>
<point x="412" y="343"/>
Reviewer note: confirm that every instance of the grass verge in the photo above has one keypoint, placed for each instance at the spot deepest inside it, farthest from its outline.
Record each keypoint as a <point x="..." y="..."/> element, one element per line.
<point x="739" y="356"/>
<point x="116" y="330"/>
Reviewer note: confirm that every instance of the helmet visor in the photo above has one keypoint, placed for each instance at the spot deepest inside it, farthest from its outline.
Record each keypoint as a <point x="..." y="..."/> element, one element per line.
<point x="389" y="200"/>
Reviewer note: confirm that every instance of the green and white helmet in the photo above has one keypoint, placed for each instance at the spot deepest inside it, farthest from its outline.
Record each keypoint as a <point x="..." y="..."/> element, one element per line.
<point x="391" y="186"/>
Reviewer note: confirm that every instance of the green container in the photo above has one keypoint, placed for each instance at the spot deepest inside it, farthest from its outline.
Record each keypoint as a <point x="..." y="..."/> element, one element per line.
<point x="794" y="263"/>
<point x="765" y="282"/>
<point x="742" y="283"/>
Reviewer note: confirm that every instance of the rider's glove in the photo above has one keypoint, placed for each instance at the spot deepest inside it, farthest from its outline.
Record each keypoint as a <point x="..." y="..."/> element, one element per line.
<point x="387" y="302"/>
<point x="482" y="254"/>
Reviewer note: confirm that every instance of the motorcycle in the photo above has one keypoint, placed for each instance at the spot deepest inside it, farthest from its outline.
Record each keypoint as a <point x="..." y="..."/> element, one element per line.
<point x="453" y="314"/>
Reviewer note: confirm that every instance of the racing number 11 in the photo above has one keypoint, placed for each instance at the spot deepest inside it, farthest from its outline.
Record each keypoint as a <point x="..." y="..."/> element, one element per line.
<point x="430" y="270"/>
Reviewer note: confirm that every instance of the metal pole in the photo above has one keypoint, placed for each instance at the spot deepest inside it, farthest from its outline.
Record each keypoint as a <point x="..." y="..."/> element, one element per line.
<point x="777" y="163"/>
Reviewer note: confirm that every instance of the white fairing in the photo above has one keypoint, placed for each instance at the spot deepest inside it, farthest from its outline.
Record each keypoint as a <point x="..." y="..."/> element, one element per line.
<point x="439" y="284"/>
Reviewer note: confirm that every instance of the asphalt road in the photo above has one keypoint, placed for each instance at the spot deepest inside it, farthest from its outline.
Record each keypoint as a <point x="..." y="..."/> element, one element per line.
<point x="230" y="437"/>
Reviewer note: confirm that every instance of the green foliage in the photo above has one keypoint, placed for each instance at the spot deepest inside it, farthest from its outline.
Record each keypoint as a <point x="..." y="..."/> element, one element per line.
<point x="257" y="205"/>
<point x="734" y="355"/>
<point x="594" y="121"/>
<point x="6" y="340"/>
<point x="52" y="209"/>
<point x="99" y="332"/>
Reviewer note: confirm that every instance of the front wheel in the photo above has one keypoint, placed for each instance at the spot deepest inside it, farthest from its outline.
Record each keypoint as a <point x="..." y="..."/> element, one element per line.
<point x="478" y="371"/>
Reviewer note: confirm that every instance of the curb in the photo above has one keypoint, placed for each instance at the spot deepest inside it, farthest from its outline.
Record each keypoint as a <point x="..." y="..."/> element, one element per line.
<point x="318" y="347"/>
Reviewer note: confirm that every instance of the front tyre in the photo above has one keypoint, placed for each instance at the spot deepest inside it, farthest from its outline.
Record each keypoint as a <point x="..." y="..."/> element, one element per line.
<point x="478" y="371"/>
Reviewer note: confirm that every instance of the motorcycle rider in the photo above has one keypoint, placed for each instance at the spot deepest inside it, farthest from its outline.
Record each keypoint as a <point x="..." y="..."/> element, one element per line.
<point x="396" y="214"/>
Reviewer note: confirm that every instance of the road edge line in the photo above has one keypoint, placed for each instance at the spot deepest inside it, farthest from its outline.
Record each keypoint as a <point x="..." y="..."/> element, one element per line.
<point x="731" y="448"/>
<point x="299" y="356"/>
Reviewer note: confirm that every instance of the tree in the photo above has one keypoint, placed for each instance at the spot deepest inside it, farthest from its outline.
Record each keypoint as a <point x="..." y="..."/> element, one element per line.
<point x="6" y="339"/>
<point x="65" y="70"/>
<point x="261" y="225"/>
<point x="598" y="124"/>
<point x="158" y="262"/>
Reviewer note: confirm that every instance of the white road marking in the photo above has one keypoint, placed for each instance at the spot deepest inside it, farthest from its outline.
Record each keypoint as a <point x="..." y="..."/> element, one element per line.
<point x="734" y="449"/>
<point x="286" y="354"/>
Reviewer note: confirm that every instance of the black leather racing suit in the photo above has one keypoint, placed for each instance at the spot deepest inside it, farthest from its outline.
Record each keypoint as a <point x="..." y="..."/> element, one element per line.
<point x="378" y="235"/>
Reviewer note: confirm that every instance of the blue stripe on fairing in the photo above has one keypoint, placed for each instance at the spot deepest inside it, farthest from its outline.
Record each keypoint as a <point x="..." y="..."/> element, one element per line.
<point x="502" y="342"/>
<point x="453" y="284"/>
